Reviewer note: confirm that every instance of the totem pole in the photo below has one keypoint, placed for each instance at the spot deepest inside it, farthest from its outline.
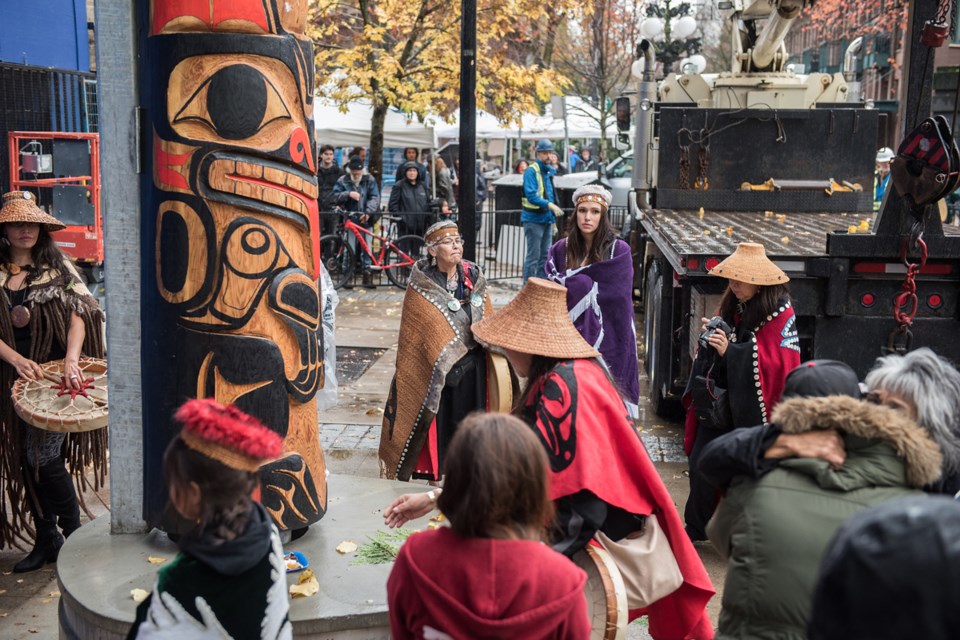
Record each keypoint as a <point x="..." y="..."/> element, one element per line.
<point x="230" y="234"/>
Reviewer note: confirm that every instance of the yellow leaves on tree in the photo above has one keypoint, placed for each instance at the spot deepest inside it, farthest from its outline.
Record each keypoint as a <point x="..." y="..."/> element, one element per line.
<point x="406" y="54"/>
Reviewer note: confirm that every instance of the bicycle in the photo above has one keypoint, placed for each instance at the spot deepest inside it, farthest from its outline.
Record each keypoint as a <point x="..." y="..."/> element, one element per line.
<point x="393" y="257"/>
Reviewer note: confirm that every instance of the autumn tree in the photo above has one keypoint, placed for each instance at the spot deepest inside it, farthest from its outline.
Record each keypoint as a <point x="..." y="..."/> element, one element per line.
<point x="597" y="53"/>
<point x="406" y="54"/>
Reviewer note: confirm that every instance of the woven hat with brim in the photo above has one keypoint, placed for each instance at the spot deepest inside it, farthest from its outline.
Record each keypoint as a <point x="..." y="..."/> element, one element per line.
<point x="750" y="264"/>
<point x="536" y="322"/>
<point x="21" y="206"/>
<point x="227" y="435"/>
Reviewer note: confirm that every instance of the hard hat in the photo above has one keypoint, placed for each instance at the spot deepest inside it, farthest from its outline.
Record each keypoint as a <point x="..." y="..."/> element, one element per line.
<point x="544" y="145"/>
<point x="885" y="154"/>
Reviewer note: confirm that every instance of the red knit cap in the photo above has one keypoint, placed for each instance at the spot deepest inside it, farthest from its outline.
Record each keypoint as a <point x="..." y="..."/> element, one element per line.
<point x="227" y="435"/>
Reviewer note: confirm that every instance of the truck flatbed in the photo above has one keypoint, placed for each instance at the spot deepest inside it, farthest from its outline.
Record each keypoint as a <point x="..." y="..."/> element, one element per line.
<point x="682" y="235"/>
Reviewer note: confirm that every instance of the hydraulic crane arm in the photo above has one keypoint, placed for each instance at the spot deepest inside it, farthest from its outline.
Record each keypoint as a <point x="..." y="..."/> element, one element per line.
<point x="764" y="51"/>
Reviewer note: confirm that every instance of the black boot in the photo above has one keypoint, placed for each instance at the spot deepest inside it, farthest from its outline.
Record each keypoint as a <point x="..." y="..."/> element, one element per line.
<point x="368" y="280"/>
<point x="60" y="496"/>
<point x="45" y="549"/>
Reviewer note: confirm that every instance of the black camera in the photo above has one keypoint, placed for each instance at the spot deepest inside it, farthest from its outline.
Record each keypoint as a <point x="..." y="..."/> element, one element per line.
<point x="716" y="324"/>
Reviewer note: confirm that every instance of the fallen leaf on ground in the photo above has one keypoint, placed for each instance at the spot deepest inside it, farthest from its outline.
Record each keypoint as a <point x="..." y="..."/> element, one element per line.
<point x="20" y="581"/>
<point x="155" y="560"/>
<point x="2" y="591"/>
<point x="139" y="595"/>
<point x="347" y="546"/>
<point x="374" y="412"/>
<point x="4" y="614"/>
<point x="46" y="601"/>
<point x="33" y="630"/>
<point x="54" y="594"/>
<point x="306" y="586"/>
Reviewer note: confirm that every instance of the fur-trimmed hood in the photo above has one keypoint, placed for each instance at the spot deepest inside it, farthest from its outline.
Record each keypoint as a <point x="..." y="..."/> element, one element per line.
<point x="921" y="455"/>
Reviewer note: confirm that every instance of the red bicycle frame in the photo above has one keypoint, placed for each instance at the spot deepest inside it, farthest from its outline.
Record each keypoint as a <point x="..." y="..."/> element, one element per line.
<point x="378" y="262"/>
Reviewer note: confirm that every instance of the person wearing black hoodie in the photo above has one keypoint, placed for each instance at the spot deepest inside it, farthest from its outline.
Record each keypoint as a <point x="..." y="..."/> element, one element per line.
<point x="410" y="154"/>
<point x="409" y="198"/>
<point x="229" y="579"/>
<point x="328" y="172"/>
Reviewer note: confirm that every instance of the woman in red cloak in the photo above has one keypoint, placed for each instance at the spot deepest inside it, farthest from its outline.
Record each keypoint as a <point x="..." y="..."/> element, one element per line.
<point x="750" y="362"/>
<point x="603" y="483"/>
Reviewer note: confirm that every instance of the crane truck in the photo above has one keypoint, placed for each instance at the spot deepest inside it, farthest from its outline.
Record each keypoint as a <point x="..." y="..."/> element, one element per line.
<point x="760" y="153"/>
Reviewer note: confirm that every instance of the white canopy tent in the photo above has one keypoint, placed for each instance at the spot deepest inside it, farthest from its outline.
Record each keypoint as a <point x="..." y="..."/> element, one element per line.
<point x="352" y="128"/>
<point x="583" y="121"/>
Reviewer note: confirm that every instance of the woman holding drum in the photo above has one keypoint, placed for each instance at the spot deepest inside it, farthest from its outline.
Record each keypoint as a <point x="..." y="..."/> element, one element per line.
<point x="46" y="313"/>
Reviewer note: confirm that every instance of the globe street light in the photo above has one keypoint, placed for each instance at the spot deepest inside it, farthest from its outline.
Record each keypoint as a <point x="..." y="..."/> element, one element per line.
<point x="672" y="26"/>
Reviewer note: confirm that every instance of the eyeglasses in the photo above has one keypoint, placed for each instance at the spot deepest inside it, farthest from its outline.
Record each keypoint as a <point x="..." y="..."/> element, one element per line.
<point x="450" y="241"/>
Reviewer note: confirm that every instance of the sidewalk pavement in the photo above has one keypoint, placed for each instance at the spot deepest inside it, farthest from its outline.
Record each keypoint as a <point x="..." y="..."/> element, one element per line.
<point x="349" y="435"/>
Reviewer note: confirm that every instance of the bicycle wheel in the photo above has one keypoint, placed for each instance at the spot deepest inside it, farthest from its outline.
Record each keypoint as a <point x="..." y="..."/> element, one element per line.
<point x="337" y="257"/>
<point x="400" y="257"/>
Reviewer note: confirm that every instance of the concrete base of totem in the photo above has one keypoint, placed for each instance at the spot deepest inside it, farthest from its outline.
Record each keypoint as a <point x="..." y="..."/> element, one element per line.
<point x="97" y="570"/>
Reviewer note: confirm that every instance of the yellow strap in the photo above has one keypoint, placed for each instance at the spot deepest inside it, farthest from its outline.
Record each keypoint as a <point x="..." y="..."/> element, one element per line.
<point x="540" y="189"/>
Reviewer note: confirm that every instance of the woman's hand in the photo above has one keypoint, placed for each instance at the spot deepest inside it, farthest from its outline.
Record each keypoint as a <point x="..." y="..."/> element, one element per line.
<point x="72" y="376"/>
<point x="719" y="341"/>
<point x="27" y="368"/>
<point x="407" y="507"/>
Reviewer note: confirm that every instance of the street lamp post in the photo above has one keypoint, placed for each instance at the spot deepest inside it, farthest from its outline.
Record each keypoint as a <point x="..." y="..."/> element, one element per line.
<point x="671" y="26"/>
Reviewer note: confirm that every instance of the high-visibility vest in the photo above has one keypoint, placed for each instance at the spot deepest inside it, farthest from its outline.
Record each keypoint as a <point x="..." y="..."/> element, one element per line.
<point x="541" y="190"/>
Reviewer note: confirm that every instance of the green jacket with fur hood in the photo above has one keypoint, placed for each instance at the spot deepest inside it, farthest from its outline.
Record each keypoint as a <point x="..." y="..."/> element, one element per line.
<point x="774" y="530"/>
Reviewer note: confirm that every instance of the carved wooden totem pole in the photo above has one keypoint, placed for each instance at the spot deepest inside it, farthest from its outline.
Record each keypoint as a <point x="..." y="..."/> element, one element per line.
<point x="230" y="234"/>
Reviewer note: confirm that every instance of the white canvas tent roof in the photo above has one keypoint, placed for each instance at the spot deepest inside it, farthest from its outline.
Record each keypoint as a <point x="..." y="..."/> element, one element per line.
<point x="352" y="129"/>
<point x="582" y="122"/>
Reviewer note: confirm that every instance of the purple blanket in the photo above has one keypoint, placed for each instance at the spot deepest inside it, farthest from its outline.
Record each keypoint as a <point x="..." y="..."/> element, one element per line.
<point x="600" y="300"/>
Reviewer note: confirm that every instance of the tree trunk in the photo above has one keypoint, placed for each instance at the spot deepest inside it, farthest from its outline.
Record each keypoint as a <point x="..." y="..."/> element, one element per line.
<point x="376" y="140"/>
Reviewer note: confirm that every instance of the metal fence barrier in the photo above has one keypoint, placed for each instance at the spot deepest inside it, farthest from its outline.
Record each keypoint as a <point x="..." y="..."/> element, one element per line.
<point x="500" y="246"/>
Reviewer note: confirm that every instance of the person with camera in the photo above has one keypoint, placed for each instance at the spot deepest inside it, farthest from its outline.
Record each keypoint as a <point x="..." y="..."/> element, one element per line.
<point x="745" y="353"/>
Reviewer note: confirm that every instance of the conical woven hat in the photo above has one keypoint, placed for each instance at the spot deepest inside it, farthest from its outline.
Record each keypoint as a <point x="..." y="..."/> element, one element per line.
<point x="750" y="264"/>
<point x="536" y="322"/>
<point x="21" y="206"/>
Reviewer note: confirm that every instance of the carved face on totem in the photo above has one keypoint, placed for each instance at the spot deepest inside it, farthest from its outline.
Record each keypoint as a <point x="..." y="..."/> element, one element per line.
<point x="236" y="225"/>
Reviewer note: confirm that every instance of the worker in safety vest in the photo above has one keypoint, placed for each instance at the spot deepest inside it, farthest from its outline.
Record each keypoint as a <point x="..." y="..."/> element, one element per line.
<point x="539" y="211"/>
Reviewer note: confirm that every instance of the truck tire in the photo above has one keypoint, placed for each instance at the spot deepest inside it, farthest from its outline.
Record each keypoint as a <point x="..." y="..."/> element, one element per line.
<point x="657" y="343"/>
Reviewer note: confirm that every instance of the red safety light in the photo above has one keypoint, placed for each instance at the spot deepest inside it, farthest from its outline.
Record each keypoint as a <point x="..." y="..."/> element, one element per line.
<point x="711" y="263"/>
<point x="693" y="264"/>
<point x="934" y="301"/>
<point x="867" y="299"/>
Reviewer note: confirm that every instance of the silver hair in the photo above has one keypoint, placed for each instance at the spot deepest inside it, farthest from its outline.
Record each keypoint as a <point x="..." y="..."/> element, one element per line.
<point x="933" y="385"/>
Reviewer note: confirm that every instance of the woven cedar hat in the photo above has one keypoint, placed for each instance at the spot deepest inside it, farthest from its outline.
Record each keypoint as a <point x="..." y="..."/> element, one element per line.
<point x="227" y="435"/>
<point x="536" y="322"/>
<point x="750" y="264"/>
<point x="593" y="193"/>
<point x="21" y="206"/>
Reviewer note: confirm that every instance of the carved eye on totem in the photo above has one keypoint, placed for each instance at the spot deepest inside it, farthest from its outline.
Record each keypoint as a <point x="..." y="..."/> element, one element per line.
<point x="557" y="417"/>
<point x="236" y="102"/>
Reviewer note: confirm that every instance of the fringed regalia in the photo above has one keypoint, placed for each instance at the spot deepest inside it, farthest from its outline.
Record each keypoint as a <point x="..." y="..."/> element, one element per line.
<point x="51" y="297"/>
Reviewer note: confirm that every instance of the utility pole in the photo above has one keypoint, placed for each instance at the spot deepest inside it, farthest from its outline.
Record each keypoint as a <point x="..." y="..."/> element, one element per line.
<point x="468" y="128"/>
